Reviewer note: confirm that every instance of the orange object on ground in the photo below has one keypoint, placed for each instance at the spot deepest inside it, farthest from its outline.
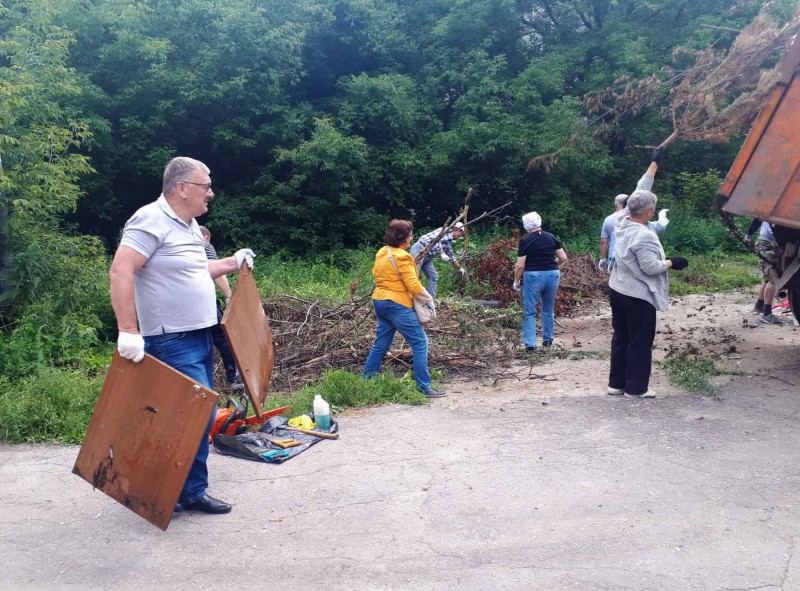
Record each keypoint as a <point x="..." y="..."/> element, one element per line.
<point x="232" y="420"/>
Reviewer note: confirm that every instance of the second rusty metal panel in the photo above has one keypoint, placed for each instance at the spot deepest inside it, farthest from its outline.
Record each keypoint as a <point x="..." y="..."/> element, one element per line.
<point x="250" y="337"/>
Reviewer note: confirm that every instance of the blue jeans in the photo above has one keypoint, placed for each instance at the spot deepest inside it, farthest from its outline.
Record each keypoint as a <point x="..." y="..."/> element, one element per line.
<point x="426" y="265"/>
<point x="191" y="353"/>
<point x="393" y="317"/>
<point x="538" y="285"/>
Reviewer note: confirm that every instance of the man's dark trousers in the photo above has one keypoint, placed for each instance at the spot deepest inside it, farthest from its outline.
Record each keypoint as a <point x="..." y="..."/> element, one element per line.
<point x="221" y="343"/>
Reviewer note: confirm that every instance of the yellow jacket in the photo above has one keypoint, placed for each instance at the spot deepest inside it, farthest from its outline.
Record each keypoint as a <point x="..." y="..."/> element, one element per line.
<point x="388" y="285"/>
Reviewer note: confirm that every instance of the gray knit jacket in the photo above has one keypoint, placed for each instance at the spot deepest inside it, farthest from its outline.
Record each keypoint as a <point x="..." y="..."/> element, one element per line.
<point x="640" y="270"/>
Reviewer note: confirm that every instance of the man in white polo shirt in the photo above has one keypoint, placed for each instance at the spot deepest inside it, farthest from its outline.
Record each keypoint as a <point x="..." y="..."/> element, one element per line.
<point x="162" y="292"/>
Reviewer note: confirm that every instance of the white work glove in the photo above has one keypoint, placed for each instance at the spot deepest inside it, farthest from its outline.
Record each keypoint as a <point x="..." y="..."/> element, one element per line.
<point x="463" y="271"/>
<point x="748" y="239"/>
<point x="444" y="257"/>
<point x="517" y="285"/>
<point x="245" y="254"/>
<point x="603" y="265"/>
<point x="662" y="217"/>
<point x="432" y="307"/>
<point x="131" y="346"/>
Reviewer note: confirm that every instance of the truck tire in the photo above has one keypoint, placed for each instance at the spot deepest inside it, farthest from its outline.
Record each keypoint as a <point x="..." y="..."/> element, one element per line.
<point x="794" y="302"/>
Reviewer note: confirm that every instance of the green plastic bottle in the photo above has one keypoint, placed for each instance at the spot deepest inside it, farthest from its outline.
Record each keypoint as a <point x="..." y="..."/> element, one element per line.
<point x="322" y="413"/>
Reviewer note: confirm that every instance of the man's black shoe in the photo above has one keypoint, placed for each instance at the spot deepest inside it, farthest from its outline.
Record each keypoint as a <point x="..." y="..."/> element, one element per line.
<point x="547" y="343"/>
<point x="208" y="504"/>
<point x="434" y="393"/>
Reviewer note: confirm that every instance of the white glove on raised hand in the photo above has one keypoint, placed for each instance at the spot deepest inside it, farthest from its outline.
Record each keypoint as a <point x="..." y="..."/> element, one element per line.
<point x="517" y="285"/>
<point x="131" y="346"/>
<point x="245" y="254"/>
<point x="603" y="264"/>
<point x="444" y="257"/>
<point x="662" y="217"/>
<point x="463" y="271"/>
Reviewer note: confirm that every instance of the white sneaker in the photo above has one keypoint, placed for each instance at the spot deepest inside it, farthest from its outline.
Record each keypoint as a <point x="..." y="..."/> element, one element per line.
<point x="615" y="391"/>
<point x="648" y="394"/>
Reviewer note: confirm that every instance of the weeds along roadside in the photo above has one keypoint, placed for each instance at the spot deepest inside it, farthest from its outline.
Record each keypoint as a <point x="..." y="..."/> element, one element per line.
<point x="53" y="401"/>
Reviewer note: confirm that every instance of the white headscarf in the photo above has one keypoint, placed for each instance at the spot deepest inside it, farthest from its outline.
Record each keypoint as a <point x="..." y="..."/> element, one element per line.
<point x="531" y="221"/>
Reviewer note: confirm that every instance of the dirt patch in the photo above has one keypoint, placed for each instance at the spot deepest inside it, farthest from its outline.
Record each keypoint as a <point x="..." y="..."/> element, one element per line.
<point x="719" y="327"/>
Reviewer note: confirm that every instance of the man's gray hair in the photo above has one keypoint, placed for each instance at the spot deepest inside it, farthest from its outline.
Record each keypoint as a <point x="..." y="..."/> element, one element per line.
<point x="177" y="170"/>
<point x="639" y="201"/>
<point x="620" y="199"/>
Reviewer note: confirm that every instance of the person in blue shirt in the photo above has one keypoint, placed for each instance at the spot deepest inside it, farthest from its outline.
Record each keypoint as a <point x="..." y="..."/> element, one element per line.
<point x="607" y="239"/>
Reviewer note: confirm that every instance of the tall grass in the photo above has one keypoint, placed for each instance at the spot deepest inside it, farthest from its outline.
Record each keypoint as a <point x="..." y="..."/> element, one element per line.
<point x="48" y="406"/>
<point x="343" y="389"/>
<point x="328" y="278"/>
<point x="715" y="272"/>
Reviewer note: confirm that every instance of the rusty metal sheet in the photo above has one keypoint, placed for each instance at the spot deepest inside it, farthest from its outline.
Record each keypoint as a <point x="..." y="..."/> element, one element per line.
<point x="143" y="436"/>
<point x="751" y="141"/>
<point x="768" y="188"/>
<point x="250" y="337"/>
<point x="764" y="181"/>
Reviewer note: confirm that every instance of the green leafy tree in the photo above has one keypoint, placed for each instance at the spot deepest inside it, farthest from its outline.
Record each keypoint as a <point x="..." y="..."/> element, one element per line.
<point x="57" y="289"/>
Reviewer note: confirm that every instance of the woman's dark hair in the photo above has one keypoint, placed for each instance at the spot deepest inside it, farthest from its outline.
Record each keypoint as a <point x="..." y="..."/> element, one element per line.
<point x="398" y="232"/>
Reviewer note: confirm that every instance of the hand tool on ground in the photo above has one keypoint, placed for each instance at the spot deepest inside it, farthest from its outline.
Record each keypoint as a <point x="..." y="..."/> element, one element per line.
<point x="275" y="454"/>
<point x="320" y="434"/>
<point x="282" y="442"/>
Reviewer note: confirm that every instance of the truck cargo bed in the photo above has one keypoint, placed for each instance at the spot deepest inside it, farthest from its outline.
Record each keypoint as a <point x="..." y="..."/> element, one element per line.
<point x="764" y="181"/>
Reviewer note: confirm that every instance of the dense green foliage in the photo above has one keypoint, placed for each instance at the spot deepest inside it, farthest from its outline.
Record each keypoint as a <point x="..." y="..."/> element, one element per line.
<point x="320" y="121"/>
<point x="56" y="296"/>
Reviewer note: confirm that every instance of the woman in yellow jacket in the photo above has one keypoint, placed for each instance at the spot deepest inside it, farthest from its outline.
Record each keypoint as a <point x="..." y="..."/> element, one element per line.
<point x="394" y="307"/>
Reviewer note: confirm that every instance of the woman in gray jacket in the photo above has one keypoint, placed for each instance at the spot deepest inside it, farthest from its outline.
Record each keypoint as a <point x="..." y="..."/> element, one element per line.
<point x="637" y="288"/>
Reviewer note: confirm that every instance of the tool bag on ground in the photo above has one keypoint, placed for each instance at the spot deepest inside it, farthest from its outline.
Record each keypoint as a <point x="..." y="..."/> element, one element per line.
<point x="254" y="446"/>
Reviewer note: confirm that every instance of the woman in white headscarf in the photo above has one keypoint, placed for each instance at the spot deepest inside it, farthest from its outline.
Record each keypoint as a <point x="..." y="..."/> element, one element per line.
<point x="536" y="273"/>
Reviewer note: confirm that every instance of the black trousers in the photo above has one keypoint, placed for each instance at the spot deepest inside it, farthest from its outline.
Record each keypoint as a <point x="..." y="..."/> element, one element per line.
<point x="634" y="323"/>
<point x="221" y="343"/>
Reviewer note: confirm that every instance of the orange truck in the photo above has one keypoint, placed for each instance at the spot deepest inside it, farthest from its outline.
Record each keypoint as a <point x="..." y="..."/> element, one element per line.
<point x="764" y="181"/>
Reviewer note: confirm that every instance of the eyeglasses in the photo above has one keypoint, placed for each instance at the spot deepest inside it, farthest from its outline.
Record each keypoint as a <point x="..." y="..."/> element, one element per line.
<point x="206" y="186"/>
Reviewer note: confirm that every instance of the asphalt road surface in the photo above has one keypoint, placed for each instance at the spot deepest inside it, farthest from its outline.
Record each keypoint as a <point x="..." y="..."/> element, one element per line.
<point x="524" y="489"/>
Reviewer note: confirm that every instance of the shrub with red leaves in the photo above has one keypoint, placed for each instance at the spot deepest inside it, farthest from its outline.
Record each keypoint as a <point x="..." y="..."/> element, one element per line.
<point x="493" y="269"/>
<point x="493" y="276"/>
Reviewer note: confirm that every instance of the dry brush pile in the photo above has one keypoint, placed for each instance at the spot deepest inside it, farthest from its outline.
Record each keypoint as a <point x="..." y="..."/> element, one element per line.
<point x="467" y="340"/>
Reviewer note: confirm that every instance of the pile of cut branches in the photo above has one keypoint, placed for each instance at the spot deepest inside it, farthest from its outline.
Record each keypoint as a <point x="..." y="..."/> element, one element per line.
<point x="580" y="285"/>
<point x="311" y="335"/>
<point x="470" y="342"/>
